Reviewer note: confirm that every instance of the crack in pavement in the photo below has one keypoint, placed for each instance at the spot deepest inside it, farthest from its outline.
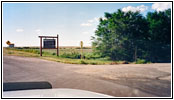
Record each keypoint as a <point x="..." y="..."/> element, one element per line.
<point x="163" y="76"/>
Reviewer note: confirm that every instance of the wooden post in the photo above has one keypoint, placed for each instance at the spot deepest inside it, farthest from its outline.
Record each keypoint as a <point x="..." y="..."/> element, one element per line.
<point x="40" y="46"/>
<point x="49" y="48"/>
<point x="57" y="45"/>
<point x="81" y="45"/>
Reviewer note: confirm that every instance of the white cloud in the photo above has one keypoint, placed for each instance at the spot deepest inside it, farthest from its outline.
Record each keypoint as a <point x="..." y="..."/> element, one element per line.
<point x="85" y="33"/>
<point x="94" y="29"/>
<point x="86" y="24"/>
<point x="38" y="31"/>
<point x="161" y="6"/>
<point x="96" y="19"/>
<point x="91" y="22"/>
<point x="140" y="8"/>
<point x="19" y="30"/>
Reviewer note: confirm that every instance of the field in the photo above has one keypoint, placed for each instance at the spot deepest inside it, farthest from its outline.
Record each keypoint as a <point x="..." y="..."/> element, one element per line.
<point x="69" y="54"/>
<point x="66" y="55"/>
<point x="69" y="49"/>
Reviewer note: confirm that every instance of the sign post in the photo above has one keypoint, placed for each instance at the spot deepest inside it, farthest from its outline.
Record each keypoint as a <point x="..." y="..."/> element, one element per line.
<point x="49" y="43"/>
<point x="57" y="45"/>
<point x="81" y="45"/>
<point x="40" y="46"/>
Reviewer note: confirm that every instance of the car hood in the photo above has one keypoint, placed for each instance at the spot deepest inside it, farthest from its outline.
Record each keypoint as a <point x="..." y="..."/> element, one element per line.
<point x="60" y="93"/>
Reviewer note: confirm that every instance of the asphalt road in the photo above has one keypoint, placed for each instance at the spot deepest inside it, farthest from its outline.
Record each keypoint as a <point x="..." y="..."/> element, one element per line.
<point x="124" y="80"/>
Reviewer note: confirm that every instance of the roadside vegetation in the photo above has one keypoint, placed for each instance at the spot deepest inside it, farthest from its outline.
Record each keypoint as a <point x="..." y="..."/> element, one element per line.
<point x="120" y="38"/>
<point x="130" y="36"/>
<point x="69" y="55"/>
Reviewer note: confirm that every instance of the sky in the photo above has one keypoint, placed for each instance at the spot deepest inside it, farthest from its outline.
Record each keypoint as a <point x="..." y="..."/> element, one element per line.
<point x="73" y="22"/>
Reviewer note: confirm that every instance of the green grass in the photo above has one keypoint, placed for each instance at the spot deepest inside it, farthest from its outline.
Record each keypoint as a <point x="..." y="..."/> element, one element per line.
<point x="67" y="55"/>
<point x="14" y="52"/>
<point x="141" y="61"/>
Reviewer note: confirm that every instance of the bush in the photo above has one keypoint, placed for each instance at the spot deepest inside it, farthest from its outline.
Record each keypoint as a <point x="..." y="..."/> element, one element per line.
<point x="19" y="48"/>
<point x="30" y="50"/>
<point x="10" y="52"/>
<point x="83" y="62"/>
<point x="83" y="48"/>
<point x="72" y="55"/>
<point x="35" y="51"/>
<point x="124" y="62"/>
<point x="46" y="53"/>
<point x="140" y="61"/>
<point x="93" y="63"/>
<point x="91" y="56"/>
<point x="149" y="62"/>
<point x="77" y="48"/>
<point x="53" y="53"/>
<point x="26" y="47"/>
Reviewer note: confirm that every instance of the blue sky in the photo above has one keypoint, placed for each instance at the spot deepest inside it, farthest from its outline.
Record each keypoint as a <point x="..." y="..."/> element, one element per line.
<point x="74" y="22"/>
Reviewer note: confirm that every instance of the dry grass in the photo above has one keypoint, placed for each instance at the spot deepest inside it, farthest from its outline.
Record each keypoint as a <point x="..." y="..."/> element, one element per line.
<point x="18" y="53"/>
<point x="15" y="52"/>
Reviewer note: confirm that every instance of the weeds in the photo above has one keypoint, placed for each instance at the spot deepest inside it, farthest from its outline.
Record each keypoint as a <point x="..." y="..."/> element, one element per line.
<point x="10" y="52"/>
<point x="71" y="56"/>
<point x="140" y="61"/>
<point x="83" y="62"/>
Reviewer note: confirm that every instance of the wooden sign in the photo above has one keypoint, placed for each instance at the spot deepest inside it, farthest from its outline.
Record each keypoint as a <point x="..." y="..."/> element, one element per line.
<point x="49" y="43"/>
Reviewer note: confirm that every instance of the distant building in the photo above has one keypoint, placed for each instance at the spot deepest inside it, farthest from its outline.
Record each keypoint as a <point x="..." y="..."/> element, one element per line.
<point x="11" y="45"/>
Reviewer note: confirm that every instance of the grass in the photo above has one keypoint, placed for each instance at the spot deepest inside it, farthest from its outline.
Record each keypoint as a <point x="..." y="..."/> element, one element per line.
<point x="77" y="61"/>
<point x="141" y="61"/>
<point x="69" y="55"/>
<point x="51" y="55"/>
<point x="13" y="52"/>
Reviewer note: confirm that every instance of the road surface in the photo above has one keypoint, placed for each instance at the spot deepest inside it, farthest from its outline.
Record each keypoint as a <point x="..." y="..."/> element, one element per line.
<point x="124" y="80"/>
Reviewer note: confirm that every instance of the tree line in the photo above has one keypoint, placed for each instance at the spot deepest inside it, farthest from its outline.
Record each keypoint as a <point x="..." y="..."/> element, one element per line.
<point x="130" y="36"/>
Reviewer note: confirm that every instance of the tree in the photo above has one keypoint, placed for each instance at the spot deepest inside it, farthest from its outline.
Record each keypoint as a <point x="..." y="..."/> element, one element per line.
<point x="129" y="35"/>
<point x="159" y="36"/>
<point x="120" y="35"/>
<point x="160" y="26"/>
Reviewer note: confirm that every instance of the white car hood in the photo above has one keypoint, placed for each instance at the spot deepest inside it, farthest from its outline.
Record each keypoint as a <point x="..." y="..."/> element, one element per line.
<point x="60" y="93"/>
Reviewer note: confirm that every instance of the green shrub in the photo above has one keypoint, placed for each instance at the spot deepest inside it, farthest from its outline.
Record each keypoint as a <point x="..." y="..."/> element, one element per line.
<point x="72" y="55"/>
<point x="10" y="52"/>
<point x="19" y="48"/>
<point x="77" y="48"/>
<point x="149" y="62"/>
<point x="35" y="51"/>
<point x="83" y="48"/>
<point x="45" y="53"/>
<point x="91" y="56"/>
<point x="53" y="53"/>
<point x="140" y="61"/>
<point x="26" y="47"/>
<point x="83" y="62"/>
<point x="30" y="50"/>
<point x="93" y="63"/>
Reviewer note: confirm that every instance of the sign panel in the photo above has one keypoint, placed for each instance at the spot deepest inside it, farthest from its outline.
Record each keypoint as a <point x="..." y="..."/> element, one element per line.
<point x="49" y="43"/>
